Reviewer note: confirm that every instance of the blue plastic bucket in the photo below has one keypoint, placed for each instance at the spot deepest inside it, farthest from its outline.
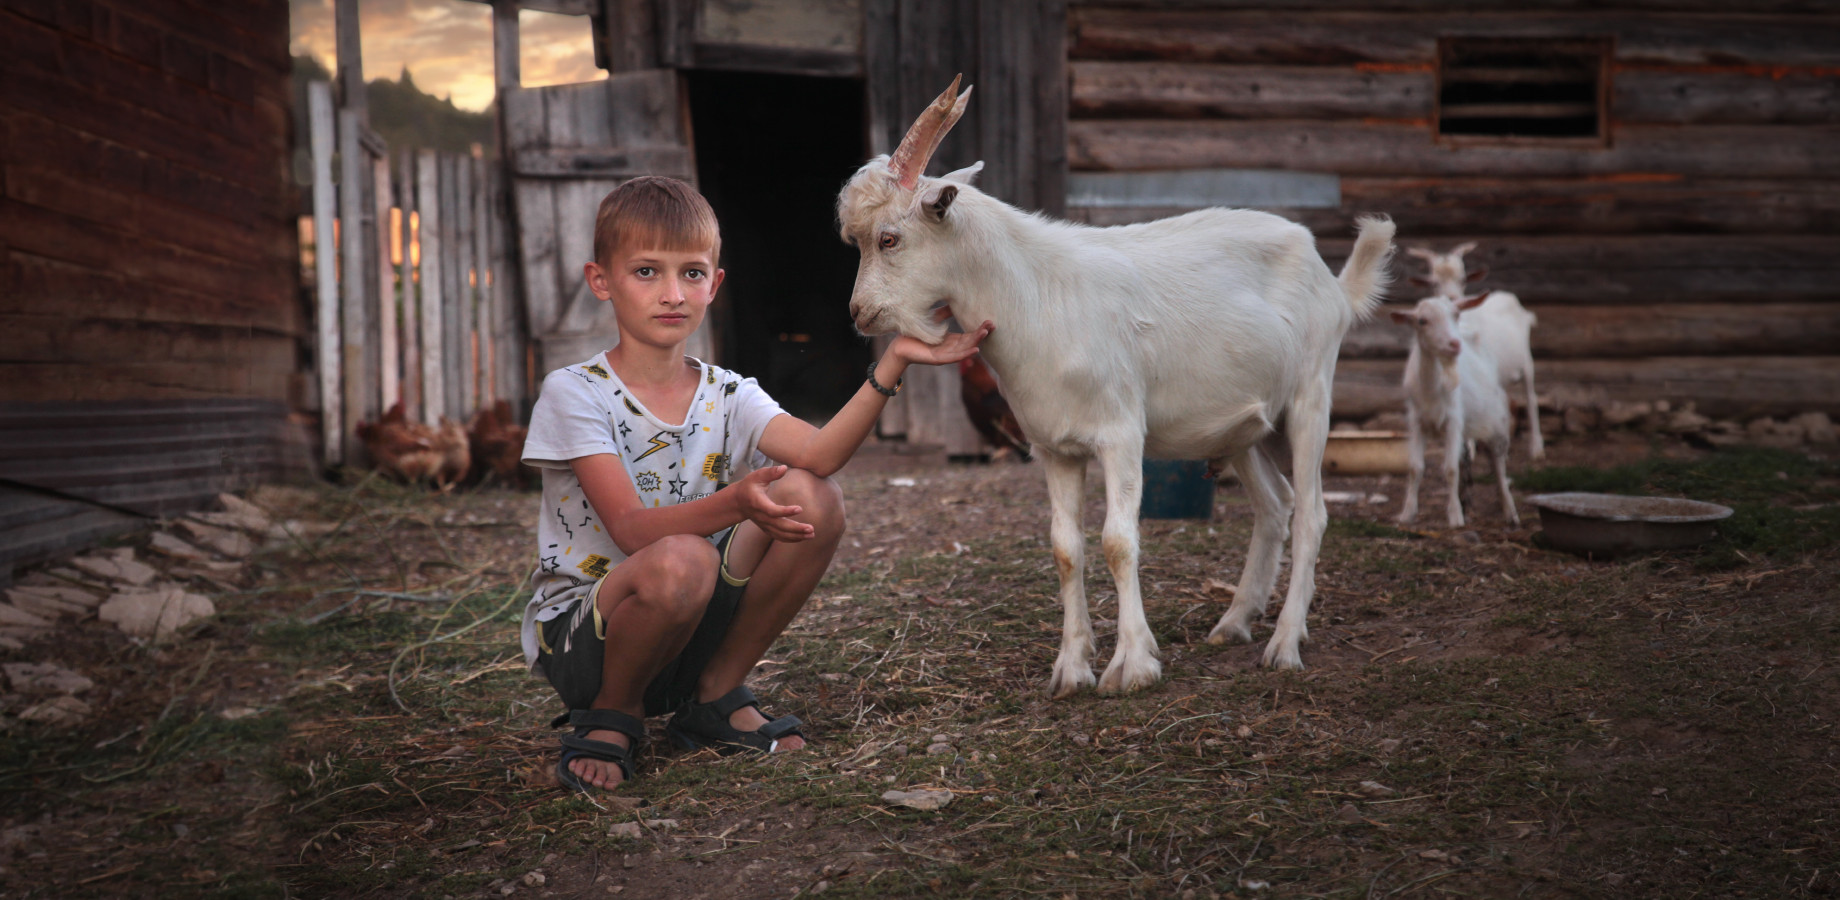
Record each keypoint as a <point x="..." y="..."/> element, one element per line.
<point x="1177" y="489"/>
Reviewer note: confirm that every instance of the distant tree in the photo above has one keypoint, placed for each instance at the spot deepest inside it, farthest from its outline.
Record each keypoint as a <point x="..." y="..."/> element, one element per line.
<point x="402" y="113"/>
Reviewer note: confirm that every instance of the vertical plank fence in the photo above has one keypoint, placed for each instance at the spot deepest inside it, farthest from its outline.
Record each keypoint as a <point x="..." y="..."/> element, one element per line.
<point x="414" y="297"/>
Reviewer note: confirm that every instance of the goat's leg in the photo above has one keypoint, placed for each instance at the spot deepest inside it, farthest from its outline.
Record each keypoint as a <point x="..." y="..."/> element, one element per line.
<point x="1134" y="664"/>
<point x="1271" y="515"/>
<point x="1498" y="454"/>
<point x="1455" y="455"/>
<point x="1415" y="464"/>
<point x="1309" y="430"/>
<point x="1536" y="444"/>
<point x="1066" y="487"/>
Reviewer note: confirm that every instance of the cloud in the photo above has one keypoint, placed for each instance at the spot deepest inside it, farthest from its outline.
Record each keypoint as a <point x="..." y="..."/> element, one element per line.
<point x="447" y="44"/>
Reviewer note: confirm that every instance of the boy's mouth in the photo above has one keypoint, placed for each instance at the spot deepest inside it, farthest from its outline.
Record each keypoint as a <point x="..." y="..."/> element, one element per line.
<point x="672" y="318"/>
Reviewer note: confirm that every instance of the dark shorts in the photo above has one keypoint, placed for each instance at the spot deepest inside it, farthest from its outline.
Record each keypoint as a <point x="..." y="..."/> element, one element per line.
<point x="571" y="647"/>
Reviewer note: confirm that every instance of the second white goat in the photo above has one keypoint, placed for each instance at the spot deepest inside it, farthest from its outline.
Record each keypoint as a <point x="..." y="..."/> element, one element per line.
<point x="1452" y="390"/>
<point x="1500" y="326"/>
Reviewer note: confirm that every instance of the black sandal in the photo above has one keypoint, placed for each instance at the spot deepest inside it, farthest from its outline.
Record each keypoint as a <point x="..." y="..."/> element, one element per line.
<point x="577" y="745"/>
<point x="697" y="725"/>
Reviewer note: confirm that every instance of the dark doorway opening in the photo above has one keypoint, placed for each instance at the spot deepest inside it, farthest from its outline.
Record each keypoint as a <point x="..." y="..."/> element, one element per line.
<point x="771" y="153"/>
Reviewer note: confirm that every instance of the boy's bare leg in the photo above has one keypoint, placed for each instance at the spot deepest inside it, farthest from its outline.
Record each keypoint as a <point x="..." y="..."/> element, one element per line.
<point x="781" y="578"/>
<point x="650" y="604"/>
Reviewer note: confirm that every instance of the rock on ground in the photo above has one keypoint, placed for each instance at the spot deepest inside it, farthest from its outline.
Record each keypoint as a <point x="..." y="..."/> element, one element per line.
<point x="43" y="679"/>
<point x="155" y="613"/>
<point x="927" y="800"/>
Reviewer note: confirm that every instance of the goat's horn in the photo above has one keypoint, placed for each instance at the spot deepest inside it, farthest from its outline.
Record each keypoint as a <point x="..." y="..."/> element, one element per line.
<point x="1463" y="248"/>
<point x="916" y="150"/>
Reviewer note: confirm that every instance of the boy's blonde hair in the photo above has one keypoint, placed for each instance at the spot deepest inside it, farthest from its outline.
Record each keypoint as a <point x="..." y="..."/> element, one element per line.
<point x="655" y="213"/>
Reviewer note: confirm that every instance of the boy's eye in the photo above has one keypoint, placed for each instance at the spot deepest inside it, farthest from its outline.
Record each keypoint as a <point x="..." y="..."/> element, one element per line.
<point x="694" y="274"/>
<point x="645" y="271"/>
<point x="890" y="240"/>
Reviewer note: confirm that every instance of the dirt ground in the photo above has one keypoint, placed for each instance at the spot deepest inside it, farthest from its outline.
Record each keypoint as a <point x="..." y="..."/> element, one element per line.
<point x="1480" y="717"/>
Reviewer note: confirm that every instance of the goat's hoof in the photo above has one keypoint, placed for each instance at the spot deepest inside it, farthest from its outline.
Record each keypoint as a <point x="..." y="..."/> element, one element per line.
<point x="1225" y="631"/>
<point x="1125" y="674"/>
<point x="1068" y="680"/>
<point x="1283" y="658"/>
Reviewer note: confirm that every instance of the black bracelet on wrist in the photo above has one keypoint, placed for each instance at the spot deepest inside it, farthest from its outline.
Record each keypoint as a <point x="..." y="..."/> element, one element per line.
<point x="886" y="392"/>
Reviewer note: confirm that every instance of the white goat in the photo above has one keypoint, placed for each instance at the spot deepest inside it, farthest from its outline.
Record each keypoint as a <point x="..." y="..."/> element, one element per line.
<point x="1451" y="389"/>
<point x="1500" y="326"/>
<point x="1192" y="338"/>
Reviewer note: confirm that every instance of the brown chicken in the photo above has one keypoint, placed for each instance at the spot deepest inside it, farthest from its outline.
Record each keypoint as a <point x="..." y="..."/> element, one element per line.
<point x="401" y="449"/>
<point x="497" y="442"/>
<point x="989" y="412"/>
<point x="456" y="457"/>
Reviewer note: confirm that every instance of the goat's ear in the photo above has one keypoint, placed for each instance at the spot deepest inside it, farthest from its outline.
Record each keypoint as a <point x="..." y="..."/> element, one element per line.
<point x="1403" y="318"/>
<point x="1421" y="253"/>
<point x="1419" y="280"/>
<point x="964" y="175"/>
<point x="1462" y="248"/>
<point x="1480" y="273"/>
<point x="938" y="199"/>
<point x="1472" y="302"/>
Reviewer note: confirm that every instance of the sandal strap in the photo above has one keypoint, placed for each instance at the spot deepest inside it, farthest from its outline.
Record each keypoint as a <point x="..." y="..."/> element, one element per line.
<point x="733" y="700"/>
<point x="586" y="720"/>
<point x="573" y="747"/>
<point x="780" y="727"/>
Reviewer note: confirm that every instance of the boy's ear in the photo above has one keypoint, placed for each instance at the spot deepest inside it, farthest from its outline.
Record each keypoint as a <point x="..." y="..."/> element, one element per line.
<point x="937" y="200"/>
<point x="597" y="281"/>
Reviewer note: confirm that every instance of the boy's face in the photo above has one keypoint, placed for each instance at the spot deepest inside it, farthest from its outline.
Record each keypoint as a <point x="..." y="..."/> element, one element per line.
<point x="659" y="297"/>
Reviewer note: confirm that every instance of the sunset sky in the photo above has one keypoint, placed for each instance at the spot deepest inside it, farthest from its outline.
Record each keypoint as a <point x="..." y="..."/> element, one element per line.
<point x="447" y="45"/>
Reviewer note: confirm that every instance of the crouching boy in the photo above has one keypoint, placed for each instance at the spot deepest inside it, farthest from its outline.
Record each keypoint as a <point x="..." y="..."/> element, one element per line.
<point x="662" y="581"/>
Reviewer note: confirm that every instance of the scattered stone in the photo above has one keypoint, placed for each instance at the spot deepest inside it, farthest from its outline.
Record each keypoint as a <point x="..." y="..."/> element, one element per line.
<point x="636" y="829"/>
<point x="939" y="749"/>
<point x="237" y="712"/>
<point x="1376" y="789"/>
<point x="13" y="615"/>
<point x="1468" y="537"/>
<point x="819" y="888"/>
<point x="942" y="738"/>
<point x="58" y="712"/>
<point x="155" y="613"/>
<point x="1613" y="878"/>
<point x="45" y="679"/>
<point x="925" y="800"/>
<point x="627" y="863"/>
<point x="1618" y="413"/>
<point x="896" y="751"/>
<point x="1818" y="428"/>
<point x="48" y="605"/>
<point x="175" y="547"/>
<point x="1388" y="745"/>
<point x="1349" y="813"/>
<point x="1760" y="427"/>
<point x="1687" y="420"/>
<point x="1437" y="855"/>
<point x="1244" y="731"/>
<point x="249" y="516"/>
<point x="624" y="804"/>
<point x="120" y="567"/>
<point x="535" y="879"/>
<point x="223" y="541"/>
<point x="8" y="642"/>
<point x="56" y="594"/>
<point x="1579" y="419"/>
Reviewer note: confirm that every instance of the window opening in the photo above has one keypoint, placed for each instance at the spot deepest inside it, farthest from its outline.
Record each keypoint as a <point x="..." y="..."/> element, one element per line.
<point x="1523" y="88"/>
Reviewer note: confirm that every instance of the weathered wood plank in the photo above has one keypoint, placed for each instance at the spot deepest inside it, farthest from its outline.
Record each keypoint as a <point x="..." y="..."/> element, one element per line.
<point x="1345" y="38"/>
<point x="1656" y="329"/>
<point x="1602" y="205"/>
<point x="1116" y="90"/>
<point x="1723" y="97"/>
<point x="326" y="286"/>
<point x="432" y="279"/>
<point x="36" y="283"/>
<point x="483" y="388"/>
<point x="1395" y="149"/>
<point x="358" y="379"/>
<point x="411" y="330"/>
<point x="1736" y="386"/>
<point x="389" y="354"/>
<point x="610" y="162"/>
<point x="1419" y="6"/>
<point x="467" y="278"/>
<point x="783" y="60"/>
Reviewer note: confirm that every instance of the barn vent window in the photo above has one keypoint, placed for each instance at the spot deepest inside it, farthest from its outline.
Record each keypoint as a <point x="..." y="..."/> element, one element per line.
<point x="1519" y="88"/>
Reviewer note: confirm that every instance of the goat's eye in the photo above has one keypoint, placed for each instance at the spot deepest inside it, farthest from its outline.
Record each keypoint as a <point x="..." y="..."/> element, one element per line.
<point x="1422" y="320"/>
<point x="890" y="240"/>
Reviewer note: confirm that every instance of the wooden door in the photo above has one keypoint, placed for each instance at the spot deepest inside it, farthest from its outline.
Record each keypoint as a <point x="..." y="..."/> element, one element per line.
<point x="1013" y="53"/>
<point x="570" y="145"/>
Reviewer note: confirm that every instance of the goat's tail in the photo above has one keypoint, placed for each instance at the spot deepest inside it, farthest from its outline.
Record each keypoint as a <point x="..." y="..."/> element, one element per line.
<point x="1364" y="277"/>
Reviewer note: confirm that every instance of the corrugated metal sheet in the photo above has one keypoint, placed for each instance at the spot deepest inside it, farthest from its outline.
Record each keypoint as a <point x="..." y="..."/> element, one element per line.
<point x="156" y="458"/>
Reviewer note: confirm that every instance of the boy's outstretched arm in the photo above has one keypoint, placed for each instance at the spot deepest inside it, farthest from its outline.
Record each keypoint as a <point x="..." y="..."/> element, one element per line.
<point x="635" y="526"/>
<point x="822" y="451"/>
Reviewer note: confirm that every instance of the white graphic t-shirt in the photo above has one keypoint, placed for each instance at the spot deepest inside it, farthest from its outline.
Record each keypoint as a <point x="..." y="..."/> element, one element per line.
<point x="585" y="410"/>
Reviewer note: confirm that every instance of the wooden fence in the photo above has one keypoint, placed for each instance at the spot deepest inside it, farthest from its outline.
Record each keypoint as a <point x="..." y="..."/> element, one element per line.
<point x="418" y="306"/>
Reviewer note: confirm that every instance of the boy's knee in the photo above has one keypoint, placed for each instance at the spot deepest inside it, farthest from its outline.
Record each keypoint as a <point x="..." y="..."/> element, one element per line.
<point x="820" y="498"/>
<point x="681" y="575"/>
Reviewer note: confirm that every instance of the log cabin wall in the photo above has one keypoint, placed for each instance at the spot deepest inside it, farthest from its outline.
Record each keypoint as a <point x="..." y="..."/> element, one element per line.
<point x="1690" y="253"/>
<point x="150" y="325"/>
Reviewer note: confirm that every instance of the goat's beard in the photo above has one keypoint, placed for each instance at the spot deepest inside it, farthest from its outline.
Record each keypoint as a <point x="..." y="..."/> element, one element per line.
<point x="920" y="327"/>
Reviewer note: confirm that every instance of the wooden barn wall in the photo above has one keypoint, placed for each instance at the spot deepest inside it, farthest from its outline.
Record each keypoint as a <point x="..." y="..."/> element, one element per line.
<point x="147" y="238"/>
<point x="1694" y="257"/>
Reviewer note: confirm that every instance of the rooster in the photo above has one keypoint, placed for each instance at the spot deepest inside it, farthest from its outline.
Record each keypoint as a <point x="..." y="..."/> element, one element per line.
<point x="989" y="412"/>
<point x="497" y="444"/>
<point x="401" y="449"/>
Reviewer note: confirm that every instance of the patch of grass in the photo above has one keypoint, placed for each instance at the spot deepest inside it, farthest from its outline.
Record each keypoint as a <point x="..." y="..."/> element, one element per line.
<point x="1365" y="528"/>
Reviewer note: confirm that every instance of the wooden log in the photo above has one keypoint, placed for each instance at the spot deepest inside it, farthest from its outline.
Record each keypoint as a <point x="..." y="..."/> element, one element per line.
<point x="1260" y="36"/>
<point x="1729" y="386"/>
<point x="357" y="379"/>
<point x="1725" y="97"/>
<point x="507" y="64"/>
<point x="1393" y="148"/>
<point x="326" y="280"/>
<point x="389" y="374"/>
<point x="1145" y="90"/>
<point x="1602" y="205"/>
<point x="1657" y="329"/>
<point x="36" y="283"/>
<point x="432" y="279"/>
<point x="1637" y="269"/>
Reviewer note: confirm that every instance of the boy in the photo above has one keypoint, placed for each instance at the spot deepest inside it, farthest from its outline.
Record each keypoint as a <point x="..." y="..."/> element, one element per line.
<point x="661" y="584"/>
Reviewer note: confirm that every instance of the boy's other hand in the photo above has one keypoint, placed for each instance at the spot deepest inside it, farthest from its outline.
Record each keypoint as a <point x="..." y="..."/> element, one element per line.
<point x="757" y="506"/>
<point x="954" y="348"/>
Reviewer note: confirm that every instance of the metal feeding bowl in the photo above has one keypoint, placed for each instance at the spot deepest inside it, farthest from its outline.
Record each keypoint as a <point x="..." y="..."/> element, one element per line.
<point x="1608" y="525"/>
